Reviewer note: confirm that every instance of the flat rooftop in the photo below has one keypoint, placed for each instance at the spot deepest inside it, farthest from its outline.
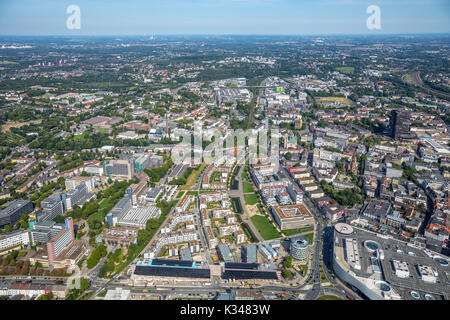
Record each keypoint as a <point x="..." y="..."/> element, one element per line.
<point x="292" y="211"/>
<point x="405" y="254"/>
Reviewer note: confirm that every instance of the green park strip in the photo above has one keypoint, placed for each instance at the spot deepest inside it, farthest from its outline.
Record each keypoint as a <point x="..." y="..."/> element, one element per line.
<point x="309" y="236"/>
<point x="180" y="194"/>
<point x="265" y="228"/>
<point x="290" y="232"/>
<point x="248" y="187"/>
<point x="193" y="177"/>
<point x="251" y="199"/>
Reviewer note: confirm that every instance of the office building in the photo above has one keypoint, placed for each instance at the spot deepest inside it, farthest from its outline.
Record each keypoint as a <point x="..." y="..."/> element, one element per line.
<point x="251" y="254"/>
<point x="51" y="207"/>
<point x="11" y="214"/>
<point x="137" y="217"/>
<point x="117" y="211"/>
<point x="73" y="182"/>
<point x="225" y="253"/>
<point x="118" y="169"/>
<point x="400" y="124"/>
<point x="14" y="240"/>
<point x="152" y="194"/>
<point x="58" y="244"/>
<point x="146" y="160"/>
<point x="78" y="196"/>
<point x="44" y="231"/>
<point x="299" y="249"/>
<point x="292" y="216"/>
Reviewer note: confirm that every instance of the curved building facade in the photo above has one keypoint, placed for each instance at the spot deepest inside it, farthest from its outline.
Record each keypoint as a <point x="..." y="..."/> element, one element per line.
<point x="350" y="279"/>
<point x="299" y="249"/>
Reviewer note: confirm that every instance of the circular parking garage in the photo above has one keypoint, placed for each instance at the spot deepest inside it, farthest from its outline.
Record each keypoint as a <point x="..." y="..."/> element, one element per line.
<point x="415" y="294"/>
<point x="371" y="246"/>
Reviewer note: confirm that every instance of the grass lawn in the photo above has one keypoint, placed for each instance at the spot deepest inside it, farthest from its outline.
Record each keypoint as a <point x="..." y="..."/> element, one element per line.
<point x="248" y="187"/>
<point x="180" y="194"/>
<point x="251" y="199"/>
<point x="80" y="138"/>
<point x="105" y="203"/>
<point x="290" y="232"/>
<point x="8" y="62"/>
<point x="346" y="69"/>
<point x="193" y="177"/>
<point x="310" y="237"/>
<point x="329" y="297"/>
<point x="265" y="228"/>
<point x="244" y="174"/>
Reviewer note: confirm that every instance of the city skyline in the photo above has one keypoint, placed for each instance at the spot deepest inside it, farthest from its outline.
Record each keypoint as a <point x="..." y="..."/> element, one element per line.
<point x="235" y="150"/>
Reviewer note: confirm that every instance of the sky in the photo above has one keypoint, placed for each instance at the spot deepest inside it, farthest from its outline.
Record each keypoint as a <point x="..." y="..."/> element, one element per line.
<point x="213" y="17"/>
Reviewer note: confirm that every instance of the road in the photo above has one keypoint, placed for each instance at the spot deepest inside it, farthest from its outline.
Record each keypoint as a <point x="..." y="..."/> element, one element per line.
<point x="322" y="253"/>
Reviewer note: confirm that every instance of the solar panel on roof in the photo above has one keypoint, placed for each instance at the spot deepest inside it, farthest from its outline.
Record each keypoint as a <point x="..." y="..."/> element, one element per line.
<point x="171" y="263"/>
<point x="175" y="272"/>
<point x="249" y="274"/>
<point x="235" y="265"/>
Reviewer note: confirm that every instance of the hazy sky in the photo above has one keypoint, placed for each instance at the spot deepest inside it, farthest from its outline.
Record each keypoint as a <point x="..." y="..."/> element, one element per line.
<point x="138" y="17"/>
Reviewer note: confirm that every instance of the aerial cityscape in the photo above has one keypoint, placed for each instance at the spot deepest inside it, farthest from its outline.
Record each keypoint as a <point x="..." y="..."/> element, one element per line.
<point x="224" y="167"/>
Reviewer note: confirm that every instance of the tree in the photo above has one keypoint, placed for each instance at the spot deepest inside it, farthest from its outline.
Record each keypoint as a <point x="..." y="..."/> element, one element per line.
<point x="339" y="166"/>
<point x="96" y="255"/>
<point x="288" y="262"/>
<point x="286" y="274"/>
<point x="48" y="296"/>
<point x="288" y="156"/>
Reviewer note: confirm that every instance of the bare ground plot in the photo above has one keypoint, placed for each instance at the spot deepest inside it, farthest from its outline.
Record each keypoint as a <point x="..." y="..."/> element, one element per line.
<point x="7" y="126"/>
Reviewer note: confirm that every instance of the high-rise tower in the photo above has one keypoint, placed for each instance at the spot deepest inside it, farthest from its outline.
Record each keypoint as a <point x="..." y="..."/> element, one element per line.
<point x="149" y="122"/>
<point x="167" y="126"/>
<point x="400" y="124"/>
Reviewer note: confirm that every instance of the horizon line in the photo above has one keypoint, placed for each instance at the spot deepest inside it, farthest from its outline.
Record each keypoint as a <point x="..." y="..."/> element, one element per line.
<point x="230" y="34"/>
